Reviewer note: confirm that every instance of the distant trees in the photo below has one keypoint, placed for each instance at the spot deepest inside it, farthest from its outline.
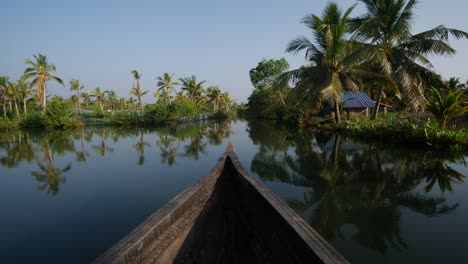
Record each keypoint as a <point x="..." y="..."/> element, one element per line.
<point x="268" y="95"/>
<point x="136" y="90"/>
<point x="189" y="102"/>
<point x="77" y="87"/>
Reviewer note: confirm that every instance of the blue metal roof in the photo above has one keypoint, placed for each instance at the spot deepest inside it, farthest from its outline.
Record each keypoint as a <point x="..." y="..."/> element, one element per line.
<point x="356" y="100"/>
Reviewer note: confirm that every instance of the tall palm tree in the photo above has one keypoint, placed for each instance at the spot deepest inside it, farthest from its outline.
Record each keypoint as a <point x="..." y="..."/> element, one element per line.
<point x="214" y="97"/>
<point x="3" y="88"/>
<point x="193" y="88"/>
<point x="86" y="99"/>
<point x="12" y="92"/>
<point x="41" y="71"/>
<point x="335" y="62"/>
<point x="100" y="97"/>
<point x="23" y="93"/>
<point x="226" y="101"/>
<point x="112" y="99"/>
<point x="386" y="28"/>
<point x="77" y="87"/>
<point x="136" y="90"/>
<point x="166" y="84"/>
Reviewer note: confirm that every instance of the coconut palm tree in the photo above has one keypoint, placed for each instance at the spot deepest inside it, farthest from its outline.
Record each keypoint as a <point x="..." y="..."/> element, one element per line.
<point x="454" y="83"/>
<point x="41" y="71"/>
<point x="226" y="102"/>
<point x="136" y="90"/>
<point x="166" y="84"/>
<point x="3" y="88"/>
<point x="193" y="88"/>
<point x="77" y="87"/>
<point x="214" y="97"/>
<point x="112" y="99"/>
<point x="23" y="93"/>
<point x="86" y="99"/>
<point x="334" y="61"/>
<point x="447" y="107"/>
<point x="386" y="28"/>
<point x="12" y="92"/>
<point x="100" y="97"/>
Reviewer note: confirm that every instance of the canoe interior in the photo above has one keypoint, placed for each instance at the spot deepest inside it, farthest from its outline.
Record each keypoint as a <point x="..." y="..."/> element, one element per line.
<point x="237" y="225"/>
<point x="227" y="217"/>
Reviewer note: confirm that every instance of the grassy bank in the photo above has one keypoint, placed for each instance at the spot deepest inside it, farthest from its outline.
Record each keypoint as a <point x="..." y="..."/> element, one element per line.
<point x="405" y="131"/>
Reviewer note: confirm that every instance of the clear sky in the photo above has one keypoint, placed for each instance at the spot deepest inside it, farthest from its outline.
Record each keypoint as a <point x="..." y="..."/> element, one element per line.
<point x="99" y="42"/>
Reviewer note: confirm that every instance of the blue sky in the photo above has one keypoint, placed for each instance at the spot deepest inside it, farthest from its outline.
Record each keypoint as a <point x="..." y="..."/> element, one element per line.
<point x="100" y="42"/>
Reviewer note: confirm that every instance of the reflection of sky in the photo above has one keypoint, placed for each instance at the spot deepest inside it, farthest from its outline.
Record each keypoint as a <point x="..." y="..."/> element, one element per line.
<point x="107" y="196"/>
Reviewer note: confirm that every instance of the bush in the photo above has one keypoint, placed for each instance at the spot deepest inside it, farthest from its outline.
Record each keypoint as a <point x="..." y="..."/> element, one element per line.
<point x="408" y="131"/>
<point x="32" y="120"/>
<point x="7" y="123"/>
<point x="127" y="118"/>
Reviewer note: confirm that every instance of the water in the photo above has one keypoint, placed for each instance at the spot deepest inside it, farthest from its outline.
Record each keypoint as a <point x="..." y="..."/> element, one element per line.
<point x="66" y="197"/>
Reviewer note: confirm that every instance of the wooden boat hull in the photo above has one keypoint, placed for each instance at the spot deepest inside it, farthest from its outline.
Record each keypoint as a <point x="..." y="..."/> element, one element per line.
<point x="226" y="217"/>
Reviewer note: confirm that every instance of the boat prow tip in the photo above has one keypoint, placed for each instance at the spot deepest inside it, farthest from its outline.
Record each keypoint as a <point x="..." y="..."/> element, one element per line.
<point x="230" y="147"/>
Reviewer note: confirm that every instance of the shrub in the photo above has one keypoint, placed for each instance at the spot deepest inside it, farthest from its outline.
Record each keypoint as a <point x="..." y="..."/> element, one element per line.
<point x="7" y="123"/>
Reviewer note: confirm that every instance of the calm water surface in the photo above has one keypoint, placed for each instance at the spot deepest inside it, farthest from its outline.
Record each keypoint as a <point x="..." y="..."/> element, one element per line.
<point x="66" y="197"/>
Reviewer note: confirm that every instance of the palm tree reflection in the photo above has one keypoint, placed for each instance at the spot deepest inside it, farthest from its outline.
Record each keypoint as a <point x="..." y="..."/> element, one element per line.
<point x="49" y="176"/>
<point x="350" y="184"/>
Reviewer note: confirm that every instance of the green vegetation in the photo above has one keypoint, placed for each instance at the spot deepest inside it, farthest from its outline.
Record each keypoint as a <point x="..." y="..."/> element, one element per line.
<point x="407" y="131"/>
<point x="374" y="52"/>
<point x="104" y="107"/>
<point x="377" y="53"/>
<point x="447" y="107"/>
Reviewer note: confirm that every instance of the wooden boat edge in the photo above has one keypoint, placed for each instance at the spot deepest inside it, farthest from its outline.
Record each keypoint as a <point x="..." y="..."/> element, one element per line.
<point x="326" y="252"/>
<point x="147" y="232"/>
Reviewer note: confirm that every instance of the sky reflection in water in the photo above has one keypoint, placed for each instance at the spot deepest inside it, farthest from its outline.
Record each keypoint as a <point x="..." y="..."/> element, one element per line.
<point x="68" y="196"/>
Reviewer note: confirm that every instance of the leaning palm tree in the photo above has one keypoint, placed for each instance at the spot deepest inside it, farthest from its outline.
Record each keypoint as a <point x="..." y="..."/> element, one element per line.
<point x="41" y="70"/>
<point x="136" y="90"/>
<point x="76" y="86"/>
<point x="100" y="97"/>
<point x="193" y="88"/>
<point x="335" y="62"/>
<point x="166" y="84"/>
<point x="386" y="28"/>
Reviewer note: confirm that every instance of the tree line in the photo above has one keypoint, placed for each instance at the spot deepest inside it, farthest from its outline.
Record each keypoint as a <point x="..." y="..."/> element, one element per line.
<point x="31" y="91"/>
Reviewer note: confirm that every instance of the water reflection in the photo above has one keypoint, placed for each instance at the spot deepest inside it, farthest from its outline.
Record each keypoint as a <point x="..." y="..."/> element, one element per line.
<point x="354" y="191"/>
<point x="182" y="140"/>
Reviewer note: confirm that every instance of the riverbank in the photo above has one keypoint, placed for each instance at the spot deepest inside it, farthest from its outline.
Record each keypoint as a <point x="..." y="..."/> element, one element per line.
<point x="404" y="130"/>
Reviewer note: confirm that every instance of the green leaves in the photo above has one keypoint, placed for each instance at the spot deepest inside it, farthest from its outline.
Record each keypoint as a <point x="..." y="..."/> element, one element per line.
<point x="445" y="108"/>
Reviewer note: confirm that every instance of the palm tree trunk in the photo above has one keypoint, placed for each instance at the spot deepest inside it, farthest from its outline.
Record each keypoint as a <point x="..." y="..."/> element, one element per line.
<point x="16" y="108"/>
<point x="9" y="103"/>
<point x="4" y="108"/>
<point x="282" y="100"/>
<point x="24" y="106"/>
<point x="337" y="113"/>
<point x="376" y="109"/>
<point x="102" y="108"/>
